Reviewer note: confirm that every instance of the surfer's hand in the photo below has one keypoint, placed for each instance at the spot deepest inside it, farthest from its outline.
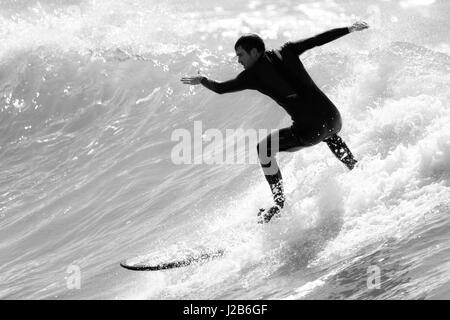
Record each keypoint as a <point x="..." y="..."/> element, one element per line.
<point x="358" y="26"/>
<point x="192" y="80"/>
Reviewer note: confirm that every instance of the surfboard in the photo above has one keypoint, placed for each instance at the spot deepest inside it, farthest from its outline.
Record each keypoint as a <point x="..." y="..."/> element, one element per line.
<point x="169" y="259"/>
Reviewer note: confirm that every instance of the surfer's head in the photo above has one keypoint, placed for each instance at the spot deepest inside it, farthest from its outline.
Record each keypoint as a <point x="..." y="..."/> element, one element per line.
<point x="249" y="48"/>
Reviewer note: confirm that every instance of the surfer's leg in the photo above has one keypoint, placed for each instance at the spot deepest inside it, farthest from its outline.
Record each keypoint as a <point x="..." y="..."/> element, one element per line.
<point x="270" y="168"/>
<point x="341" y="151"/>
<point x="280" y="141"/>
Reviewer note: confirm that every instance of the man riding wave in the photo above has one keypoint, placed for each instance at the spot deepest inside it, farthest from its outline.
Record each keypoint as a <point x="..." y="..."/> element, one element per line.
<point x="281" y="75"/>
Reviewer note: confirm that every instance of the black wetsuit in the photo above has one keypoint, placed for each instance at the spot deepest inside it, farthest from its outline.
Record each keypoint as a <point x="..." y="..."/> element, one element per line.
<point x="281" y="75"/>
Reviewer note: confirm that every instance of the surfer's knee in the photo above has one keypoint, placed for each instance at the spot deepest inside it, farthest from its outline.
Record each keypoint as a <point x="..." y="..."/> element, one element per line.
<point x="334" y="126"/>
<point x="264" y="149"/>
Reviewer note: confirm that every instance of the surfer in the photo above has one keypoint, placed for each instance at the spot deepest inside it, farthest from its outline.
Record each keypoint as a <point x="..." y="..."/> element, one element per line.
<point x="281" y="75"/>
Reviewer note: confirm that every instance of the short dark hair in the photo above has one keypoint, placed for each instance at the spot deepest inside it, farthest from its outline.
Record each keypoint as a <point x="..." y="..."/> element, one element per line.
<point x="250" y="41"/>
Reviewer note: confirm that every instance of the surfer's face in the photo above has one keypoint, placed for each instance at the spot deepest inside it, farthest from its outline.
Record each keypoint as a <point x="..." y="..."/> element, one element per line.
<point x="247" y="59"/>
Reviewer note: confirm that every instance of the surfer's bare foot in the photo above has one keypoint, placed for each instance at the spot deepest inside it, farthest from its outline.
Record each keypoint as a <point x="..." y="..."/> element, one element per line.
<point x="264" y="216"/>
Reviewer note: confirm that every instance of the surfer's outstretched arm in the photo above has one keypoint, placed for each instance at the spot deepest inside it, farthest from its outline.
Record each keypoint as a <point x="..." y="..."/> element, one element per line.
<point x="305" y="44"/>
<point x="237" y="84"/>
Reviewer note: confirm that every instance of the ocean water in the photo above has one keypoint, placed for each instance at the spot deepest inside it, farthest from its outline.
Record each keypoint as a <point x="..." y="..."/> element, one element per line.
<point x="90" y="95"/>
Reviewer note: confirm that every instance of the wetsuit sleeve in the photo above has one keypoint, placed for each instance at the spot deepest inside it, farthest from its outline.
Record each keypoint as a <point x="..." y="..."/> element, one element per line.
<point x="302" y="45"/>
<point x="241" y="82"/>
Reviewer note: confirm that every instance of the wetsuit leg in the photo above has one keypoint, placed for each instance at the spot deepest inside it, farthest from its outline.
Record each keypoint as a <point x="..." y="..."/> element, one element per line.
<point x="267" y="149"/>
<point x="341" y="151"/>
